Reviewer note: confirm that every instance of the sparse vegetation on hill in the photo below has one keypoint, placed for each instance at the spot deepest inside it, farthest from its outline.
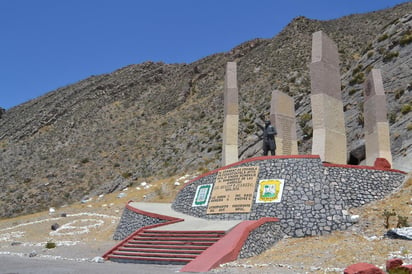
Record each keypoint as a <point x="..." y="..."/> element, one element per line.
<point x="157" y="120"/>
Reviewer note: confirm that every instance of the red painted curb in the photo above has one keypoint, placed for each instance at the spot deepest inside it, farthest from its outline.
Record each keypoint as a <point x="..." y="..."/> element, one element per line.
<point x="226" y="249"/>
<point x="307" y="156"/>
<point x="260" y="158"/>
<point x="150" y="214"/>
<point x="363" y="167"/>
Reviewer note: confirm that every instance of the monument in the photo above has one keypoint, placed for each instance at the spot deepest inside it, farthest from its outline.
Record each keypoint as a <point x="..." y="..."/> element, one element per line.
<point x="329" y="135"/>
<point x="377" y="138"/>
<point x="282" y="115"/>
<point x="231" y="116"/>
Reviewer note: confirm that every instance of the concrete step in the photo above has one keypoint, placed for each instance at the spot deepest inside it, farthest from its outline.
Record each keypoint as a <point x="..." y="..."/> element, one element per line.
<point x="175" y="247"/>
<point x="175" y="239"/>
<point x="161" y="250"/>
<point x="154" y="242"/>
<point x="165" y="247"/>
<point x="155" y="255"/>
<point x="147" y="260"/>
<point x="181" y="234"/>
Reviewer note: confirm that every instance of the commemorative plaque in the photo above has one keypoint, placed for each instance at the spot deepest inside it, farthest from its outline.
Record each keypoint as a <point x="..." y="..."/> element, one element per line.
<point x="233" y="190"/>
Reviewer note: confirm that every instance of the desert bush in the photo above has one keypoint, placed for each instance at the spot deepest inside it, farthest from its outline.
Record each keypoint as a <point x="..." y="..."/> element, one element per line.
<point x="358" y="78"/>
<point x="390" y="55"/>
<point x="383" y="37"/>
<point x="50" y="245"/>
<point x="304" y="119"/>
<point x="387" y="214"/>
<point x="406" y="108"/>
<point x="399" y="93"/>
<point x="368" y="69"/>
<point x="406" y="39"/>
<point x="392" y="117"/>
<point x="352" y="91"/>
<point x="84" y="160"/>
<point x="307" y="132"/>
<point x="368" y="48"/>
<point x="250" y="128"/>
<point x="126" y="175"/>
<point x="357" y="69"/>
<point x="402" y="221"/>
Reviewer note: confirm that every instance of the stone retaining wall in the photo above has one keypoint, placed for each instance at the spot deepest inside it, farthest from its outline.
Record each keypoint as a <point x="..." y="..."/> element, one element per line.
<point x="261" y="239"/>
<point x="361" y="185"/>
<point x="315" y="197"/>
<point x="133" y="220"/>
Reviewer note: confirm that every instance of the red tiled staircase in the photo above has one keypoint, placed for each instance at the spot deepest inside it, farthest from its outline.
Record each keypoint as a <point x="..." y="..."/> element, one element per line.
<point x="164" y="247"/>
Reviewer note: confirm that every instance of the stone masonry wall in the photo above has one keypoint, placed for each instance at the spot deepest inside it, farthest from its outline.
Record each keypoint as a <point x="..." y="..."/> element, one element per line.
<point x="261" y="239"/>
<point x="315" y="197"/>
<point x="359" y="186"/>
<point x="132" y="221"/>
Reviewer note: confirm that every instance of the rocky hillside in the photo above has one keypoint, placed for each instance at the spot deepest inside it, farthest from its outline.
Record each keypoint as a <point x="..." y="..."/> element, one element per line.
<point x="157" y="119"/>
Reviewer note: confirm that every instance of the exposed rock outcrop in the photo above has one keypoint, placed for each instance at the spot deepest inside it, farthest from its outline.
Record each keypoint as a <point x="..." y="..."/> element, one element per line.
<point x="157" y="119"/>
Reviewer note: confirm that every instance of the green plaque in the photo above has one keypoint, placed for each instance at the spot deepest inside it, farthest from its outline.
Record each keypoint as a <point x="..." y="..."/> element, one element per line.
<point x="202" y="195"/>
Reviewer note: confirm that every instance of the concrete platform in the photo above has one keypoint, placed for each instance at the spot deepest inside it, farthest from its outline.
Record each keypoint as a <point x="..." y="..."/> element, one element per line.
<point x="189" y="223"/>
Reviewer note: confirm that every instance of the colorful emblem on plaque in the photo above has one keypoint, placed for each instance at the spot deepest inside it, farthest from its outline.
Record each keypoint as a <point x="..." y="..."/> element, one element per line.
<point x="270" y="191"/>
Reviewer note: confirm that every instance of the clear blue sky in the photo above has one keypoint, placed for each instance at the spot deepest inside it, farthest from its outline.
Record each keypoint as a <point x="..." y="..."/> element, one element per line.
<point x="47" y="44"/>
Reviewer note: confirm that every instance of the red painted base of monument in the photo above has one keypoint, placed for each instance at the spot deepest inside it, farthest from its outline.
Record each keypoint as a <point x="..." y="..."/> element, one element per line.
<point x="382" y="163"/>
<point x="227" y="249"/>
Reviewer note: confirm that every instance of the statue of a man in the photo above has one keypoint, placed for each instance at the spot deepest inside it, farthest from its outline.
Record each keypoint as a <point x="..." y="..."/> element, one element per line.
<point x="269" y="133"/>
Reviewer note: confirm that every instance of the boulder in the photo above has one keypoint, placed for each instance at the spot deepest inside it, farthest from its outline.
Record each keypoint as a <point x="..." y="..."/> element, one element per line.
<point x="98" y="260"/>
<point x="393" y="263"/>
<point x="404" y="233"/>
<point x="363" y="268"/>
<point x="354" y="219"/>
<point x="394" y="266"/>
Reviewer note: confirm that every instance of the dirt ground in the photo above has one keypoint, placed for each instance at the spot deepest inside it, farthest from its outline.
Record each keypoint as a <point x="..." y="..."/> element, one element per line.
<point x="85" y="232"/>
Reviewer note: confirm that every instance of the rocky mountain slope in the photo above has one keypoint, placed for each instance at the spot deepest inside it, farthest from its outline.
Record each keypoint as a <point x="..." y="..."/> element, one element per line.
<point x="156" y="120"/>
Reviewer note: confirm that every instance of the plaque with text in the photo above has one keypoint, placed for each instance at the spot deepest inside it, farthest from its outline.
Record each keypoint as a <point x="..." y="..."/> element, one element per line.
<point x="233" y="190"/>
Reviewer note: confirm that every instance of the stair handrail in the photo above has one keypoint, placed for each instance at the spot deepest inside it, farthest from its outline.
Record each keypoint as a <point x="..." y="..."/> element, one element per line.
<point x="227" y="249"/>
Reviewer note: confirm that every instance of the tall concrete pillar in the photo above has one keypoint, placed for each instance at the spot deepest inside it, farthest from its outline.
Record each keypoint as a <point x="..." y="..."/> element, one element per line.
<point x="231" y="113"/>
<point x="377" y="137"/>
<point x="282" y="116"/>
<point x="329" y="135"/>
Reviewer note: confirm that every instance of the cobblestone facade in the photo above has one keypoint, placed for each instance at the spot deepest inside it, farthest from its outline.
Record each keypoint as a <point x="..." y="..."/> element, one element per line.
<point x="359" y="186"/>
<point x="261" y="239"/>
<point x="315" y="197"/>
<point x="132" y="221"/>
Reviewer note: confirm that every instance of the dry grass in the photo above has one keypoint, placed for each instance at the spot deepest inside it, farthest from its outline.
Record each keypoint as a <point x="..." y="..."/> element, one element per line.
<point x="364" y="242"/>
<point x="87" y="235"/>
